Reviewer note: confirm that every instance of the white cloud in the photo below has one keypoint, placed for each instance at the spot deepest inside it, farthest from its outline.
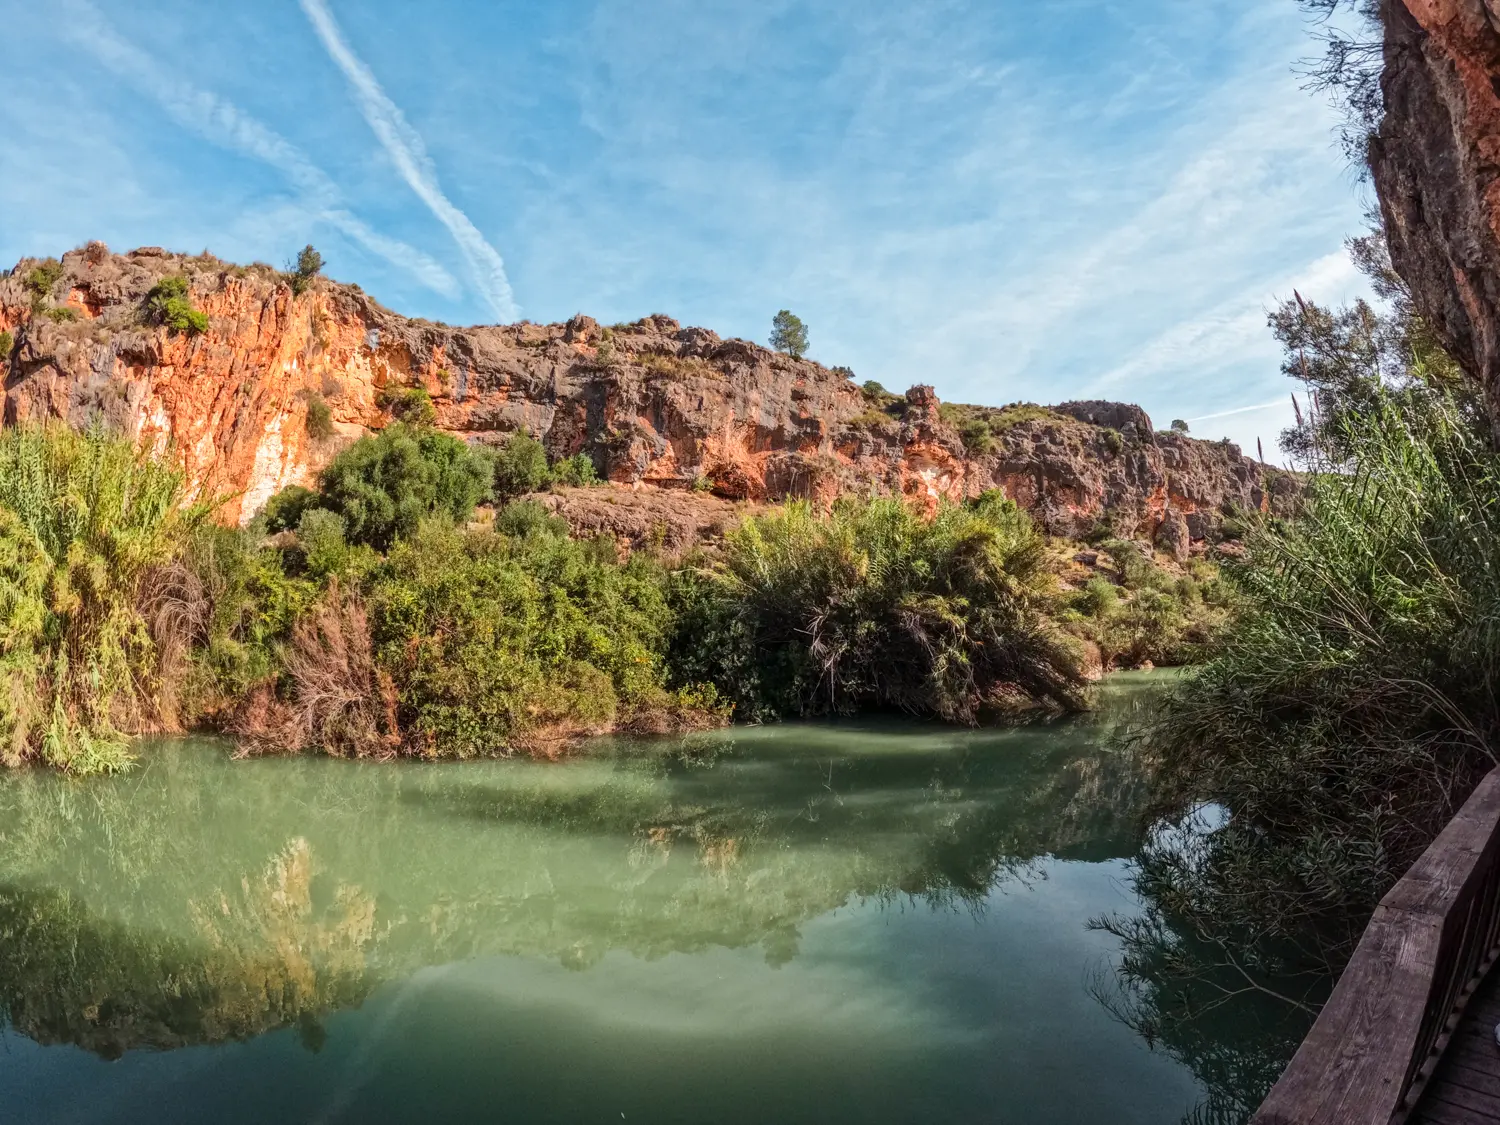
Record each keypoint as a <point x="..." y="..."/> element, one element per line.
<point x="224" y="124"/>
<point x="407" y="150"/>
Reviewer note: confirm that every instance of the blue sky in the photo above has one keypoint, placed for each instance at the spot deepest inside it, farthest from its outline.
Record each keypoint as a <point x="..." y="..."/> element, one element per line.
<point x="1013" y="201"/>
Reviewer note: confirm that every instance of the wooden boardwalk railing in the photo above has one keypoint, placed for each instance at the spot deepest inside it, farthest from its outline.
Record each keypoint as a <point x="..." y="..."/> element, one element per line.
<point x="1431" y="941"/>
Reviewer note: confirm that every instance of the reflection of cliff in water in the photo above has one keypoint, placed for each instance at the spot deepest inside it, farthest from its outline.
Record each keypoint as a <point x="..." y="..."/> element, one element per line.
<point x="201" y="900"/>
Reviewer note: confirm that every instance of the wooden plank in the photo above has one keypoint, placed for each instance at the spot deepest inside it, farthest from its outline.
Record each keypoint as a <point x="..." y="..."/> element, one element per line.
<point x="1442" y="1113"/>
<point x="1351" y="1068"/>
<point x="1414" y="959"/>
<point x="1474" y="1052"/>
<point x="1448" y="1095"/>
<point x="1456" y="1072"/>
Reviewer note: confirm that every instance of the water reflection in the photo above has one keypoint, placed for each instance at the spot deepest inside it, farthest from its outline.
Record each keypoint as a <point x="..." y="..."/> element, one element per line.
<point x="200" y="901"/>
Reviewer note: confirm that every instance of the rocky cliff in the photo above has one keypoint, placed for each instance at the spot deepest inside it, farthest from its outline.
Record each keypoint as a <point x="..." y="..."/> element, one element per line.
<point x="654" y="404"/>
<point x="1436" y="166"/>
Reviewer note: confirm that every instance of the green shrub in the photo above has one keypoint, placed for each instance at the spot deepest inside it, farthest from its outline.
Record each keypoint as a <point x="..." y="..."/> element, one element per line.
<point x="62" y="315"/>
<point x="167" y="304"/>
<point x="576" y="470"/>
<point x="319" y="419"/>
<point x="874" y="391"/>
<point x="1352" y="707"/>
<point x="1154" y="614"/>
<point x="308" y="266"/>
<point x="320" y="535"/>
<point x="42" y="277"/>
<point x="284" y="510"/>
<point x="7" y="343"/>
<point x="412" y="405"/>
<point x="874" y="606"/>
<point x="519" y="466"/>
<point x="250" y="605"/>
<point x="976" y="436"/>
<point x="84" y="519"/>
<point x="498" y="642"/>
<point x="872" y="419"/>
<point x="385" y="484"/>
<point x="1097" y="599"/>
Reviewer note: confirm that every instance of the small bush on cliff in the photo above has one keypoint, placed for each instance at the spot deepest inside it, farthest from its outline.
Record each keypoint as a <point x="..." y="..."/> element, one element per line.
<point x="385" y="484"/>
<point x="167" y="304"/>
<point x="42" y="277"/>
<point x="874" y="606"/>
<point x="519" y="466"/>
<point x="412" y="405"/>
<point x="84" y="518"/>
<point x="789" y="334"/>
<point x="7" y="343"/>
<point x="309" y="265"/>
<point x="319" y="419"/>
<point x="577" y="470"/>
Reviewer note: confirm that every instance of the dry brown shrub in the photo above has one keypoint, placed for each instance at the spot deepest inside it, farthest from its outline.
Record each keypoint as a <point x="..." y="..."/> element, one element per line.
<point x="334" y="696"/>
<point x="176" y="608"/>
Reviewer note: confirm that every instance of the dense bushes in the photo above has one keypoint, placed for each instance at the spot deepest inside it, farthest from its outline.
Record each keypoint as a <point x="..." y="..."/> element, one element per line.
<point x="84" y="521"/>
<point x="522" y="637"/>
<point x="520" y="466"/>
<point x="874" y="606"/>
<point x="1149" y="614"/>
<point x="1352" y="709"/>
<point x="385" y="484"/>
<point x="167" y="304"/>
<point x="366" y="618"/>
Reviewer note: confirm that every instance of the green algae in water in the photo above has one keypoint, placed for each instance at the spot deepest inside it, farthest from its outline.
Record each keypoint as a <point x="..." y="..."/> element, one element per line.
<point x="874" y="922"/>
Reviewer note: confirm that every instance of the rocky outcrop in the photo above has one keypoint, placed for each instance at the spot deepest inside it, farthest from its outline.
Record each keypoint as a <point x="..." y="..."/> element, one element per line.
<point x="654" y="404"/>
<point x="1436" y="166"/>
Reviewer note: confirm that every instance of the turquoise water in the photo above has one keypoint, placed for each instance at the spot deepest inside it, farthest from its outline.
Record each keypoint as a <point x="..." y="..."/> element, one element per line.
<point x="857" y="923"/>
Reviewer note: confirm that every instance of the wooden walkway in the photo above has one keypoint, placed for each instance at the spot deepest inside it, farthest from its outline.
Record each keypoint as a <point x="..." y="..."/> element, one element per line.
<point x="1465" y="1088"/>
<point x="1409" y="1032"/>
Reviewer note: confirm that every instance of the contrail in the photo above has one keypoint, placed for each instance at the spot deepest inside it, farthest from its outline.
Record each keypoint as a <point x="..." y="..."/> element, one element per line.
<point x="405" y="147"/>
<point x="224" y="124"/>
<point x="1236" y="410"/>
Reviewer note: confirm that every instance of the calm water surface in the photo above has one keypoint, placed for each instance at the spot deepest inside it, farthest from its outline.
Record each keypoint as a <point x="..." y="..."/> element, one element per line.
<point x="861" y="923"/>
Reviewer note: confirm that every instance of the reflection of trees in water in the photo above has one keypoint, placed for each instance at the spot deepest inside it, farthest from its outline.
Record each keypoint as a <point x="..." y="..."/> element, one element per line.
<point x="162" y="923"/>
<point x="1233" y="1015"/>
<point x="267" y="957"/>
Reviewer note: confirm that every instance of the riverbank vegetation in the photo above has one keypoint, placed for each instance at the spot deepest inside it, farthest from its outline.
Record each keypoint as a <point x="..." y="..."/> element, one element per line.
<point x="374" y="615"/>
<point x="1350" y="711"/>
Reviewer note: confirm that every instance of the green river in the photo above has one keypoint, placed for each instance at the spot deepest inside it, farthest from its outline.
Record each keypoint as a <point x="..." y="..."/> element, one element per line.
<point x="864" y="922"/>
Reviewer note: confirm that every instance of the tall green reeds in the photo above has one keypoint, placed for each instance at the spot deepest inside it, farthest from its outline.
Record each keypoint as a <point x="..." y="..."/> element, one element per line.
<point x="1353" y="706"/>
<point x="84" y="518"/>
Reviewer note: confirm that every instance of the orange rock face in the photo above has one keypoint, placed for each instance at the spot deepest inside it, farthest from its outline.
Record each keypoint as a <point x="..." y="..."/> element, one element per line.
<point x="1436" y="166"/>
<point x="653" y="404"/>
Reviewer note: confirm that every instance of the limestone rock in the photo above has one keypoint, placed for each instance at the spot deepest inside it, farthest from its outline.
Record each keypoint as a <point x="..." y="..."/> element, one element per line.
<point x="655" y="405"/>
<point x="1437" y="175"/>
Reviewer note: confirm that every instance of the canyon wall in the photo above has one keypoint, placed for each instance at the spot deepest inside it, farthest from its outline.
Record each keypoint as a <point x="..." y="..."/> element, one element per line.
<point x="1436" y="167"/>
<point x="655" y="405"/>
